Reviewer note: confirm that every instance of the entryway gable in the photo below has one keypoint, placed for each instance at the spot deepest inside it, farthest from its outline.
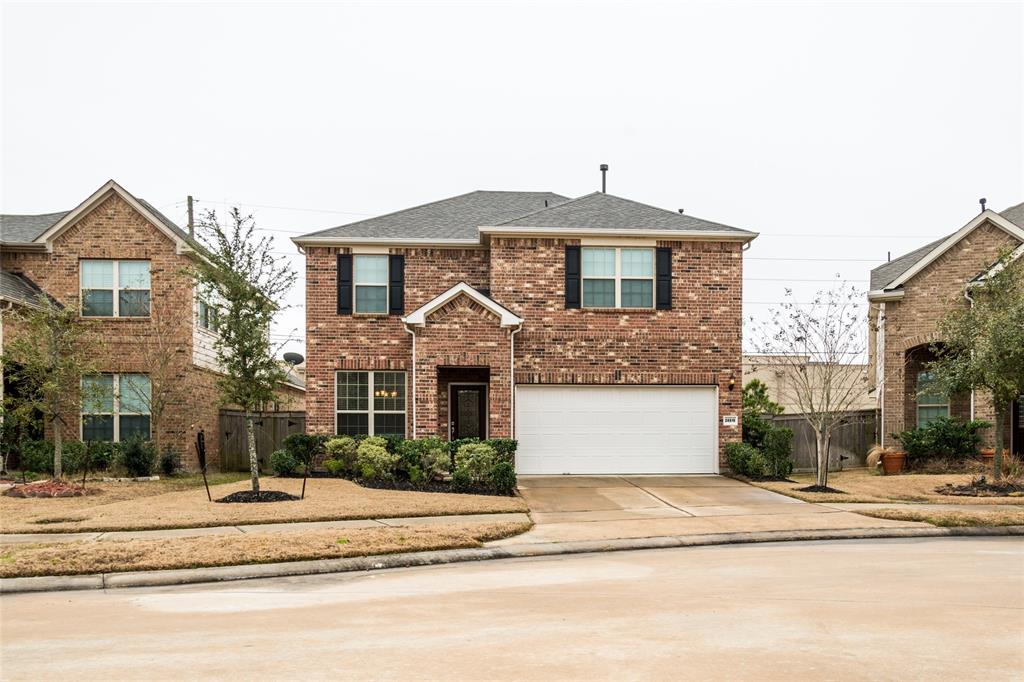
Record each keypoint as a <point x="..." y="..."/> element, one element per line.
<point x="477" y="300"/>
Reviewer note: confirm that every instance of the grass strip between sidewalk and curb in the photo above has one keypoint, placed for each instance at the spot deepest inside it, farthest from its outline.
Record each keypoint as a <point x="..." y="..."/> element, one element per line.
<point x="969" y="517"/>
<point x="428" y="558"/>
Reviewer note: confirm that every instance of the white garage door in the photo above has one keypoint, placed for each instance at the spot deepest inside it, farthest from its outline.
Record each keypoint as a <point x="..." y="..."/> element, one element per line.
<point x="616" y="429"/>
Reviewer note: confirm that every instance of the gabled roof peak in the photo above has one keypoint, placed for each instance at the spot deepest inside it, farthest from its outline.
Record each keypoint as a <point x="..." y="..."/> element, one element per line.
<point x="418" y="317"/>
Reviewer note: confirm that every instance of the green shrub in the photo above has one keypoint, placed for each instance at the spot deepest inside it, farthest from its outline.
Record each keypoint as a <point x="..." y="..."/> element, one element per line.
<point x="374" y="440"/>
<point x="778" y="451"/>
<point x="304" y="447"/>
<point x="454" y="445"/>
<point x="503" y="478"/>
<point x="434" y="459"/>
<point x="102" y="454"/>
<point x="461" y="480"/>
<point x="138" y="456"/>
<point x="740" y="456"/>
<point x="391" y="442"/>
<point x="283" y="462"/>
<point x="37" y="456"/>
<point x="416" y="476"/>
<point x="942" y="438"/>
<point x="476" y="460"/>
<point x="375" y="462"/>
<point x="504" y="448"/>
<point x="169" y="461"/>
<point x="408" y="452"/>
<point x="342" y="449"/>
<point x="336" y="467"/>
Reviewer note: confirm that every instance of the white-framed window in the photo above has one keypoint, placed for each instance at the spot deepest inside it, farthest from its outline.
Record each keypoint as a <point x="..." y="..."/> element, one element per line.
<point x="207" y="315"/>
<point x="371" y="282"/>
<point x="114" y="288"/>
<point x="618" y="277"/>
<point x="370" y="403"/>
<point x="115" y="407"/>
<point x="931" y="404"/>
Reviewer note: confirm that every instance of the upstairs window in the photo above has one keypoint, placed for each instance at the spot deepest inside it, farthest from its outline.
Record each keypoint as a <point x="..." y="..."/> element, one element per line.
<point x="207" y="316"/>
<point x="931" y="404"/>
<point x="371" y="282"/>
<point x="115" y="407"/>
<point x="618" y="277"/>
<point x="115" y="288"/>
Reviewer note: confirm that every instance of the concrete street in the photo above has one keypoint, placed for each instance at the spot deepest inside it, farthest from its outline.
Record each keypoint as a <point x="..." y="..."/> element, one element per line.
<point x="883" y="609"/>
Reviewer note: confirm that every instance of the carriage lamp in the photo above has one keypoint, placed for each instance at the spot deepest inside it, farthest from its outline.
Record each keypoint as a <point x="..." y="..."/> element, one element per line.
<point x="732" y="380"/>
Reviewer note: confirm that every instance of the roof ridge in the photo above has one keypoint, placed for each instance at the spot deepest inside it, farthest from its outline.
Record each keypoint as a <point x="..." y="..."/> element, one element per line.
<point x="547" y="208"/>
<point x="33" y="215"/>
<point x="674" y="213"/>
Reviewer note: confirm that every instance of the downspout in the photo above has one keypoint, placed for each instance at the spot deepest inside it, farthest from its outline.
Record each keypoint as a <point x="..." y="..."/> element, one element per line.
<point x="880" y="376"/>
<point x="413" y="334"/>
<point x="512" y="381"/>
<point x="967" y="295"/>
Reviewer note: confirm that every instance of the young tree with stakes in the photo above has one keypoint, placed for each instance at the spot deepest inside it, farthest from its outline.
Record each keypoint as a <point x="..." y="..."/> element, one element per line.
<point x="48" y="357"/>
<point x="812" y="349"/>
<point x="249" y="285"/>
<point x="982" y="343"/>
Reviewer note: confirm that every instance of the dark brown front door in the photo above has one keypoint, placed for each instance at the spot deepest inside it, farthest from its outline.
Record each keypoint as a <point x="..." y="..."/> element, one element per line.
<point x="1017" y="427"/>
<point x="467" y="409"/>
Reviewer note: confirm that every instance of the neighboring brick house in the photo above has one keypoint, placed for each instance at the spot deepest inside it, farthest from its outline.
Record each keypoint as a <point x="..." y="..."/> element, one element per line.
<point x="122" y="263"/>
<point x="602" y="333"/>
<point x="908" y="297"/>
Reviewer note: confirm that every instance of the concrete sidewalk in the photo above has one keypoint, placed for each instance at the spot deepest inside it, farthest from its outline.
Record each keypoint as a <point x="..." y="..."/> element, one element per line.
<point x="18" y="538"/>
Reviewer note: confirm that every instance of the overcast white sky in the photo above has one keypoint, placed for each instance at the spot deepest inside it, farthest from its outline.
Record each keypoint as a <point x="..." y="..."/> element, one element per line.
<point x="838" y="131"/>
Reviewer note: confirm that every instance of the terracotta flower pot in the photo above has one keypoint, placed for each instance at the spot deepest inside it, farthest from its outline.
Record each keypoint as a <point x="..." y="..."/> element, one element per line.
<point x="988" y="456"/>
<point x="892" y="462"/>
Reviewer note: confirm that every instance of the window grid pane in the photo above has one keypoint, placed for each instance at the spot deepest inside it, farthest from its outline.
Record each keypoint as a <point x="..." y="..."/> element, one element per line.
<point x="353" y="391"/>
<point x="133" y="425"/>
<point x="134" y="392"/>
<point x="926" y="415"/>
<point x="599" y="293"/>
<point x="353" y="424"/>
<point x="388" y="391"/>
<point x="98" y="394"/>
<point x="598" y="262"/>
<point x="133" y="303"/>
<point x="97" y="303"/>
<point x="133" y="274"/>
<point x="371" y="299"/>
<point x="637" y="293"/>
<point x="97" y="274"/>
<point x="389" y="425"/>
<point x="97" y="427"/>
<point x="371" y="270"/>
<point x="637" y="263"/>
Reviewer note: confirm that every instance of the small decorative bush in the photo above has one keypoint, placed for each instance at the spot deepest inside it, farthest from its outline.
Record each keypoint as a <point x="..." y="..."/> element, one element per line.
<point x="503" y="478"/>
<point x="336" y="467"/>
<point x="454" y="445"/>
<point x="504" y="448"/>
<point x="461" y="480"/>
<point x="102" y="454"/>
<point x="476" y="460"/>
<point x="283" y="462"/>
<point x="943" y="438"/>
<point x="304" y="447"/>
<point x="374" y="440"/>
<point x="138" y="456"/>
<point x="342" y="449"/>
<point x="434" y="459"/>
<point x="409" y="452"/>
<point x="741" y="457"/>
<point x="416" y="476"/>
<point x="375" y="462"/>
<point x="37" y="456"/>
<point x="169" y="461"/>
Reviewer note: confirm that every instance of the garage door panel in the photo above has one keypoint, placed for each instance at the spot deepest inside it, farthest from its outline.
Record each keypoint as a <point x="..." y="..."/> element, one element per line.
<point x="616" y="429"/>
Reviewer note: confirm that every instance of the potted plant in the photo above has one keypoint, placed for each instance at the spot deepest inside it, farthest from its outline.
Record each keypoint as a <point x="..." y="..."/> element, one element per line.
<point x="893" y="461"/>
<point x="987" y="455"/>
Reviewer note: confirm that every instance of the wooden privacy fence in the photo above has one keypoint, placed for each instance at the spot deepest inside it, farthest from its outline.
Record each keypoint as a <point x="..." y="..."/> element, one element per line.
<point x="850" y="442"/>
<point x="271" y="429"/>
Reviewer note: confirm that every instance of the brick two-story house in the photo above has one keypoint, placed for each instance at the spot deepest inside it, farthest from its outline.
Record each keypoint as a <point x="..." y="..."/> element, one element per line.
<point x="123" y="264"/>
<point x="602" y="333"/>
<point x="908" y="297"/>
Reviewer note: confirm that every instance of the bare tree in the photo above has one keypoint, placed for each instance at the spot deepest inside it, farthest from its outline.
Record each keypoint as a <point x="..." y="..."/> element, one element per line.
<point x="814" y="349"/>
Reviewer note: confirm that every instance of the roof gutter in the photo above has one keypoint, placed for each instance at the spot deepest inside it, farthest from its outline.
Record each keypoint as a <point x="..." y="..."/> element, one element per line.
<point x="384" y="241"/>
<point x="883" y="295"/>
<point x="686" y="235"/>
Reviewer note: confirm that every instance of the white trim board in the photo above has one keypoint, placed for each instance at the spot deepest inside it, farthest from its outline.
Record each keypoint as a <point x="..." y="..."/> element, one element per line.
<point x="418" y="317"/>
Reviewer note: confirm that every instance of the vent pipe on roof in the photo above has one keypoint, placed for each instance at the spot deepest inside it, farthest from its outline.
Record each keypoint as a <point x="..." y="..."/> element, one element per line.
<point x="680" y="211"/>
<point x="191" y="221"/>
<point x="982" y="201"/>
<point x="604" y="178"/>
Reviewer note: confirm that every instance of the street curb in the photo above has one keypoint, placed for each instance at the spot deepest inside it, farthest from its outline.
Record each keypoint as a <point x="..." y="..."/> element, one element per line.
<point x="98" y="581"/>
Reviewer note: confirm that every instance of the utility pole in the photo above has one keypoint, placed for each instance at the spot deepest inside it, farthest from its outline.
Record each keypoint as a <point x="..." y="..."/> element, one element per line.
<point x="191" y="221"/>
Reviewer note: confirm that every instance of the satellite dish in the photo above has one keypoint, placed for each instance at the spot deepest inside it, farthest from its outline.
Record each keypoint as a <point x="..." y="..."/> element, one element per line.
<point x="293" y="359"/>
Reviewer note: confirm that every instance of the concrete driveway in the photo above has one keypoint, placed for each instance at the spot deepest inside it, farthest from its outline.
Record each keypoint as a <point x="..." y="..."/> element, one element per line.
<point x="566" y="508"/>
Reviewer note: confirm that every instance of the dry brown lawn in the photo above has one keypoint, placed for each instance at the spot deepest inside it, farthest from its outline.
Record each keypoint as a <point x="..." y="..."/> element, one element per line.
<point x="139" y="555"/>
<point x="864" y="486"/>
<point x="986" y="516"/>
<point x="180" y="504"/>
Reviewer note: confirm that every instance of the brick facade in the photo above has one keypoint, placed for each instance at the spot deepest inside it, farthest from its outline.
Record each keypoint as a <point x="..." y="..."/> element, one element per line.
<point x="697" y="342"/>
<point x="114" y="230"/>
<point x="910" y="328"/>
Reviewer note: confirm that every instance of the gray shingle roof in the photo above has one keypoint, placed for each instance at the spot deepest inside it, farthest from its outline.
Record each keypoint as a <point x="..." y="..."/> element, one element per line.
<point x="22" y="229"/>
<point x="599" y="211"/>
<point x="883" y="275"/>
<point x="453" y="218"/>
<point x="19" y="289"/>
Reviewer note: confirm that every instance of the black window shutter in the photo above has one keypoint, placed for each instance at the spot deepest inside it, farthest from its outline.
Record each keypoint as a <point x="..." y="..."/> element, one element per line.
<point x="396" y="285"/>
<point x="344" y="284"/>
<point x="663" y="279"/>
<point x="572" y="277"/>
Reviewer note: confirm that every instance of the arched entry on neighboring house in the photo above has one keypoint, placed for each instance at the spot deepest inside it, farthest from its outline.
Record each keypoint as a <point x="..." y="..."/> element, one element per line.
<point x="923" y="402"/>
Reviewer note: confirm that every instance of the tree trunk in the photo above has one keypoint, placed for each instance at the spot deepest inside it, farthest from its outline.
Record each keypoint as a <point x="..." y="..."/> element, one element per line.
<point x="997" y="461"/>
<point x="58" y="450"/>
<point x="822" y="443"/>
<point x="254" y="463"/>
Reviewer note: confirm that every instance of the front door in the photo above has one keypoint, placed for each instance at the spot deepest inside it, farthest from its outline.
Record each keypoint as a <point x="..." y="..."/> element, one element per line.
<point x="1017" y="427"/>
<point x="467" y="410"/>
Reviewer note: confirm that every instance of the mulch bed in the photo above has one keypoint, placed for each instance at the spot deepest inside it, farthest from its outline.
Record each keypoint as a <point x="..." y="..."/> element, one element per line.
<point x="261" y="496"/>
<point x="980" y="487"/>
<point x="49" y="489"/>
<point x="432" y="487"/>
<point x="821" y="489"/>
